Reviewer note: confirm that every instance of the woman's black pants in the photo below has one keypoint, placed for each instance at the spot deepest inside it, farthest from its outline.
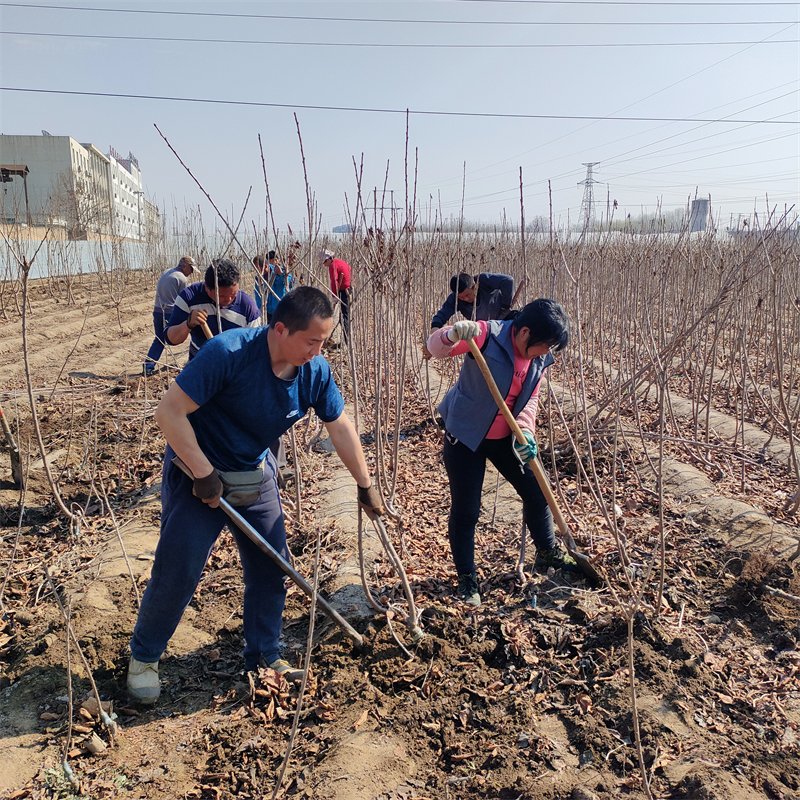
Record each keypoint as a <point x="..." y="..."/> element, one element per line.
<point x="465" y="470"/>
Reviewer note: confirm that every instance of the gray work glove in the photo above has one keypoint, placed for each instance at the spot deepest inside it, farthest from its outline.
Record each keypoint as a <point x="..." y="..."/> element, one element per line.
<point x="370" y="501"/>
<point x="463" y="331"/>
<point x="208" y="489"/>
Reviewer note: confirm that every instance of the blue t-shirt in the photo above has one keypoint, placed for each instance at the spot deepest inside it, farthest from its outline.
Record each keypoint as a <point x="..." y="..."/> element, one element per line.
<point x="244" y="406"/>
<point x="241" y="313"/>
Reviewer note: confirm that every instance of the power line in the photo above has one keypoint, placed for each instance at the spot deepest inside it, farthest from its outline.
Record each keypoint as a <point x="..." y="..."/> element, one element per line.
<point x="413" y="45"/>
<point x="510" y="192"/>
<point x="652" y="94"/>
<point x="415" y="112"/>
<point x="628" y="155"/>
<point x="388" y="20"/>
<point x="705" y="156"/>
<point x="670" y="3"/>
<point x="617" y="140"/>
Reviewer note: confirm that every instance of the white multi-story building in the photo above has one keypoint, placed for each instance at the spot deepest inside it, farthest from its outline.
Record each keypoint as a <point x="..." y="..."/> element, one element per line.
<point x="55" y="180"/>
<point x="126" y="194"/>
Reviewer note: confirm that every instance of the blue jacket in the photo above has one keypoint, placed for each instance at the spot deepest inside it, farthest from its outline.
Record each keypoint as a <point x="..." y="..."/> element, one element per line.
<point x="495" y="293"/>
<point x="469" y="409"/>
<point x="280" y="285"/>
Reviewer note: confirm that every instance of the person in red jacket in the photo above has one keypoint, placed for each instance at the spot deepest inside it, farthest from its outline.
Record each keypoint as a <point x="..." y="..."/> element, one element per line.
<point x="339" y="272"/>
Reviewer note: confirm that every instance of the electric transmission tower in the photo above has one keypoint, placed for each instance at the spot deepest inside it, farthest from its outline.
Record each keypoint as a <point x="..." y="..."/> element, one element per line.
<point x="587" y="204"/>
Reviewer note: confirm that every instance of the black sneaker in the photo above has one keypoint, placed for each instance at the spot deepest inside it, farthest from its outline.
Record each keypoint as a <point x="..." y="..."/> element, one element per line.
<point x="558" y="558"/>
<point x="468" y="589"/>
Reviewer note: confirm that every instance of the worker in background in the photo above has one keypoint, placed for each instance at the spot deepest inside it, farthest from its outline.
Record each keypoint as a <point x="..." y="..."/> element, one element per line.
<point x="241" y="392"/>
<point x="485" y="296"/>
<point x="339" y="272"/>
<point x="277" y="277"/>
<point x="518" y="351"/>
<point x="170" y="284"/>
<point x="198" y="304"/>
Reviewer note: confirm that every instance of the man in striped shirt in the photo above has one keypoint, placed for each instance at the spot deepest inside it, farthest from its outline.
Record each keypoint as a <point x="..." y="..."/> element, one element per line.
<point x="216" y="300"/>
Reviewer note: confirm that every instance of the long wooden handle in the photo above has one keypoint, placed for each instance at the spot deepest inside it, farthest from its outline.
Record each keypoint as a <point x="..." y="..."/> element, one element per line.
<point x="206" y="330"/>
<point x="541" y="478"/>
<point x="262" y="544"/>
<point x="518" y="292"/>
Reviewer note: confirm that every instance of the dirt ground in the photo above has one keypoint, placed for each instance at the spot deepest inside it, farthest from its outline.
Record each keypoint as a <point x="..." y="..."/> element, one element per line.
<point x="528" y="697"/>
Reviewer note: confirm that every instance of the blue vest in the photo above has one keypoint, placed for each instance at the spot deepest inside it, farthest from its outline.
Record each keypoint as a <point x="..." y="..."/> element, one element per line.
<point x="469" y="409"/>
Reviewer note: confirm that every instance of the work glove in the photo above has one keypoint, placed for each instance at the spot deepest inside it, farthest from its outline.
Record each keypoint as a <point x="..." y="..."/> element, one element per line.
<point x="526" y="452"/>
<point x="370" y="501"/>
<point x="196" y="317"/>
<point x="208" y="489"/>
<point x="463" y="331"/>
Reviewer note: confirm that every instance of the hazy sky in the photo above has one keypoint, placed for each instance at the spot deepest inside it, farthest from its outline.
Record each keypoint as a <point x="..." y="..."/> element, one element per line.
<point x="709" y="90"/>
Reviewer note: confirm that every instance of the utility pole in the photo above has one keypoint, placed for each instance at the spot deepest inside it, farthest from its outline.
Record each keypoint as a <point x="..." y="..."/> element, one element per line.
<point x="587" y="204"/>
<point x="382" y="208"/>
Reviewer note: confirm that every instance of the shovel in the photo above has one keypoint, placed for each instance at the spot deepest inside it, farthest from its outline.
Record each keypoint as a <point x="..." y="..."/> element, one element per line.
<point x="262" y="544"/>
<point x="587" y="568"/>
<point x="16" y="461"/>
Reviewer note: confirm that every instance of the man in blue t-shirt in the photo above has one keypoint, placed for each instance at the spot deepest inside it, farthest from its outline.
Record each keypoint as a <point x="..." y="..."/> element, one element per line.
<point x="217" y="297"/>
<point x="242" y="392"/>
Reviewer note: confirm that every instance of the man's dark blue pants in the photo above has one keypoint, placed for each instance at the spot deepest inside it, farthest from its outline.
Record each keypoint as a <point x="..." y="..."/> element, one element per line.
<point x="189" y="529"/>
<point x="465" y="470"/>
<point x="157" y="348"/>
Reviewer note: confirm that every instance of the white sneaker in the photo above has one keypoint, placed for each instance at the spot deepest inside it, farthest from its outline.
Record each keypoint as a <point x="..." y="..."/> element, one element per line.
<point x="143" y="682"/>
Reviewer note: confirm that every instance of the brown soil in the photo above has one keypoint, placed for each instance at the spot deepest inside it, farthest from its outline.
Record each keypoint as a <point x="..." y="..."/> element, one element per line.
<point x="528" y="698"/>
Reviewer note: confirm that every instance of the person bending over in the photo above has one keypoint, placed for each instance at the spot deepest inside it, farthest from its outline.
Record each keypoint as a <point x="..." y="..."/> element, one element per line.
<point x="216" y="298"/>
<point x="485" y="296"/>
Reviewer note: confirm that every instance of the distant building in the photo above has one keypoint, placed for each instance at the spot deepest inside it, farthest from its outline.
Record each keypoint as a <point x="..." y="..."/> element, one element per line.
<point x="73" y="185"/>
<point x="698" y="216"/>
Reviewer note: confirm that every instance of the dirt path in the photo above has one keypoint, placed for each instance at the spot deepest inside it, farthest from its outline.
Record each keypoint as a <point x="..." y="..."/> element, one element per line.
<point x="91" y="338"/>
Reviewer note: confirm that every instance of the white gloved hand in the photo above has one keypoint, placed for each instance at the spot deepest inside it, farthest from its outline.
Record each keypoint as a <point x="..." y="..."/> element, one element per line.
<point x="463" y="331"/>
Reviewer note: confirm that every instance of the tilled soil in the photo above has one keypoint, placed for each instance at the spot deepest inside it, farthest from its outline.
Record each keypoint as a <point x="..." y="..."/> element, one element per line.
<point x="528" y="697"/>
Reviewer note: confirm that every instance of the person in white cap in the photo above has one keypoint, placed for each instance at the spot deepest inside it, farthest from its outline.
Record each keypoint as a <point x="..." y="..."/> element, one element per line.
<point x="339" y="272"/>
<point x="170" y="285"/>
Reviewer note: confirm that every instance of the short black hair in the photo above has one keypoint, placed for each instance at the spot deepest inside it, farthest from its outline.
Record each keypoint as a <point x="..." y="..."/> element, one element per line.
<point x="227" y="273"/>
<point x="460" y="282"/>
<point x="547" y="322"/>
<point x="270" y="255"/>
<point x="298" y="307"/>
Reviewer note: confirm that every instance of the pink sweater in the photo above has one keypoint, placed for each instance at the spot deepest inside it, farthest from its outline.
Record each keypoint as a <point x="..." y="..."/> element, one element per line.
<point x="441" y="347"/>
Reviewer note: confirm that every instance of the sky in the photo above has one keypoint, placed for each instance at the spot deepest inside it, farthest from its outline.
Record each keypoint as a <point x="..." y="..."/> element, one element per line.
<point x="672" y="100"/>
